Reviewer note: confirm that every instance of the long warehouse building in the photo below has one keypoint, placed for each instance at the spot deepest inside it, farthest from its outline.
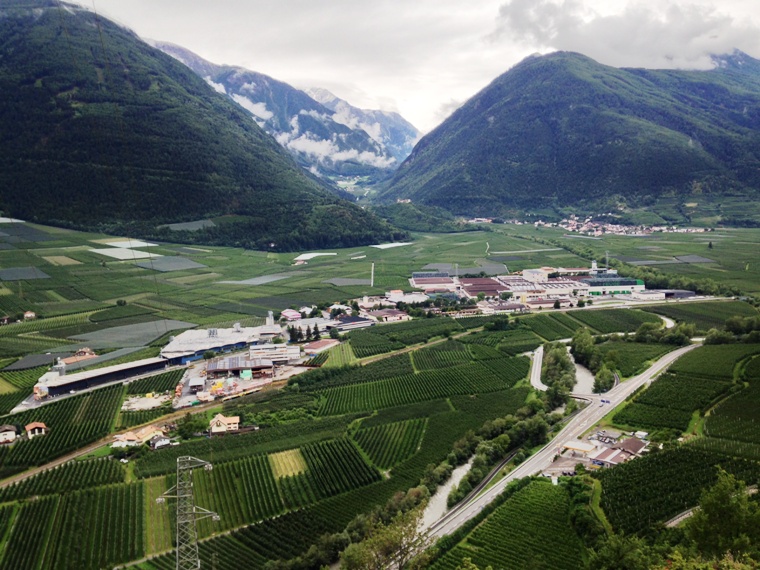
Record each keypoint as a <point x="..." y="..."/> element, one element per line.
<point x="57" y="382"/>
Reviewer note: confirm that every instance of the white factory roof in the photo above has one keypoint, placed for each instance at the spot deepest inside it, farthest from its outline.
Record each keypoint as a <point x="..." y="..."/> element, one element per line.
<point x="194" y="340"/>
<point x="52" y="378"/>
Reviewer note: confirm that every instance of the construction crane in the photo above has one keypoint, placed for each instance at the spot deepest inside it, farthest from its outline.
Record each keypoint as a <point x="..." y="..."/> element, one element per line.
<point x="187" y="512"/>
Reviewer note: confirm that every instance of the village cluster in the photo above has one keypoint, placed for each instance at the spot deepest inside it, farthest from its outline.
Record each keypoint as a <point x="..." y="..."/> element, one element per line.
<point x="589" y="227"/>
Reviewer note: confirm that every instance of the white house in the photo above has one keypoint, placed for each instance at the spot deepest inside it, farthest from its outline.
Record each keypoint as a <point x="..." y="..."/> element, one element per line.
<point x="223" y="424"/>
<point x="159" y="441"/>
<point x="34" y="429"/>
<point x="7" y="434"/>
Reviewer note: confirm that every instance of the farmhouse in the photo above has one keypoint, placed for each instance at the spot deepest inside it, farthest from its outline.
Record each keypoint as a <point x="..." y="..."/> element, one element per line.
<point x="139" y="437"/>
<point x="222" y="424"/>
<point x="159" y="441"/>
<point x="7" y="434"/>
<point x="128" y="439"/>
<point x="34" y="429"/>
<point x="79" y="356"/>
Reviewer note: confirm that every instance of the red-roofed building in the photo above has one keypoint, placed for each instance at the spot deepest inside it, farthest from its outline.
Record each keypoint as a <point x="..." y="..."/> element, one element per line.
<point x="290" y="315"/>
<point x="34" y="429"/>
<point x="319" y="345"/>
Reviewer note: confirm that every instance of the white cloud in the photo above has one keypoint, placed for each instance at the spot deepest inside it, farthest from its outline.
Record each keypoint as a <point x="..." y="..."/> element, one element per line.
<point x="417" y="57"/>
<point x="218" y="87"/>
<point x="258" y="109"/>
<point x="327" y="151"/>
<point x="668" y="34"/>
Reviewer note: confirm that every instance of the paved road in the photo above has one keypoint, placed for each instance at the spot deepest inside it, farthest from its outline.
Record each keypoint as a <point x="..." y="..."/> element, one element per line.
<point x="586" y="418"/>
<point x="535" y="370"/>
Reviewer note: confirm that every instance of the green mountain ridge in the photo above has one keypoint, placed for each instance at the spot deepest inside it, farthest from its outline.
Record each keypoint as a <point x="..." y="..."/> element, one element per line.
<point x="98" y="130"/>
<point x="563" y="130"/>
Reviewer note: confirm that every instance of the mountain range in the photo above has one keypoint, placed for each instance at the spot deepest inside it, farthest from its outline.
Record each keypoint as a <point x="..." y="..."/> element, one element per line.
<point x="101" y="131"/>
<point x="562" y="130"/>
<point x="325" y="134"/>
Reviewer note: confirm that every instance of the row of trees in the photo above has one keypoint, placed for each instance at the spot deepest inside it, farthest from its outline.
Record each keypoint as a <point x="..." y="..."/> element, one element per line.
<point x="558" y="373"/>
<point x="604" y="364"/>
<point x="297" y="334"/>
<point x="738" y="329"/>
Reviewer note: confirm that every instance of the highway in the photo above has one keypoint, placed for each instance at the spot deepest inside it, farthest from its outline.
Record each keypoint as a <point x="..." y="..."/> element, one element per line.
<point x="574" y="428"/>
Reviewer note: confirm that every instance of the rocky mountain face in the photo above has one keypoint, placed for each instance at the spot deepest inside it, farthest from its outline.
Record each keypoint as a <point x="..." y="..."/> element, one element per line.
<point x="327" y="136"/>
<point x="563" y="130"/>
<point x="101" y="131"/>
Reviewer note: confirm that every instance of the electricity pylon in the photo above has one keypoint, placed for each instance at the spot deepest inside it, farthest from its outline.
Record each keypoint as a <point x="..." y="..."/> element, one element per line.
<point x="187" y="512"/>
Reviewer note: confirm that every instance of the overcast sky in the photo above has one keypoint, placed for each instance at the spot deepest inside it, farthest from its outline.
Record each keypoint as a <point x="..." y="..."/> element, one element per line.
<point x="424" y="58"/>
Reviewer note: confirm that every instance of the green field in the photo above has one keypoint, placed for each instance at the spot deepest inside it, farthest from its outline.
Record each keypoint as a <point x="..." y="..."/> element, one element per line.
<point x="705" y="315"/>
<point x="532" y="524"/>
<point x="692" y="383"/>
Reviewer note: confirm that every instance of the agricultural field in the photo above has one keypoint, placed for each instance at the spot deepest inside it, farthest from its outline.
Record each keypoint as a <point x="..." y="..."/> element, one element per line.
<point x="73" y="423"/>
<point x="681" y="392"/>
<point x="548" y="327"/>
<point x="341" y="355"/>
<point x="608" y="321"/>
<point x="636" y="415"/>
<point x="532" y="524"/>
<point x="735" y="419"/>
<point x="692" y="383"/>
<point x="434" y="358"/>
<point x="389" y="444"/>
<point x="475" y="378"/>
<point x="70" y="476"/>
<point x="127" y="420"/>
<point x="511" y="342"/>
<point x="705" y="315"/>
<point x="717" y="361"/>
<point x="632" y="357"/>
<point x="157" y="383"/>
<point x="658" y="486"/>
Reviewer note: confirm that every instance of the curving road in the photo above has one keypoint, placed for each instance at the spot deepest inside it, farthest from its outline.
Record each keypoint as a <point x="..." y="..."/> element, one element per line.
<point x="535" y="369"/>
<point x="575" y="428"/>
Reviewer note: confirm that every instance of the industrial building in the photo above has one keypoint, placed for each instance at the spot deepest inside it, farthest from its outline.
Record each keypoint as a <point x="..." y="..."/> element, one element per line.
<point x="277" y="353"/>
<point x="57" y="382"/>
<point x="246" y="368"/>
<point x="192" y="344"/>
